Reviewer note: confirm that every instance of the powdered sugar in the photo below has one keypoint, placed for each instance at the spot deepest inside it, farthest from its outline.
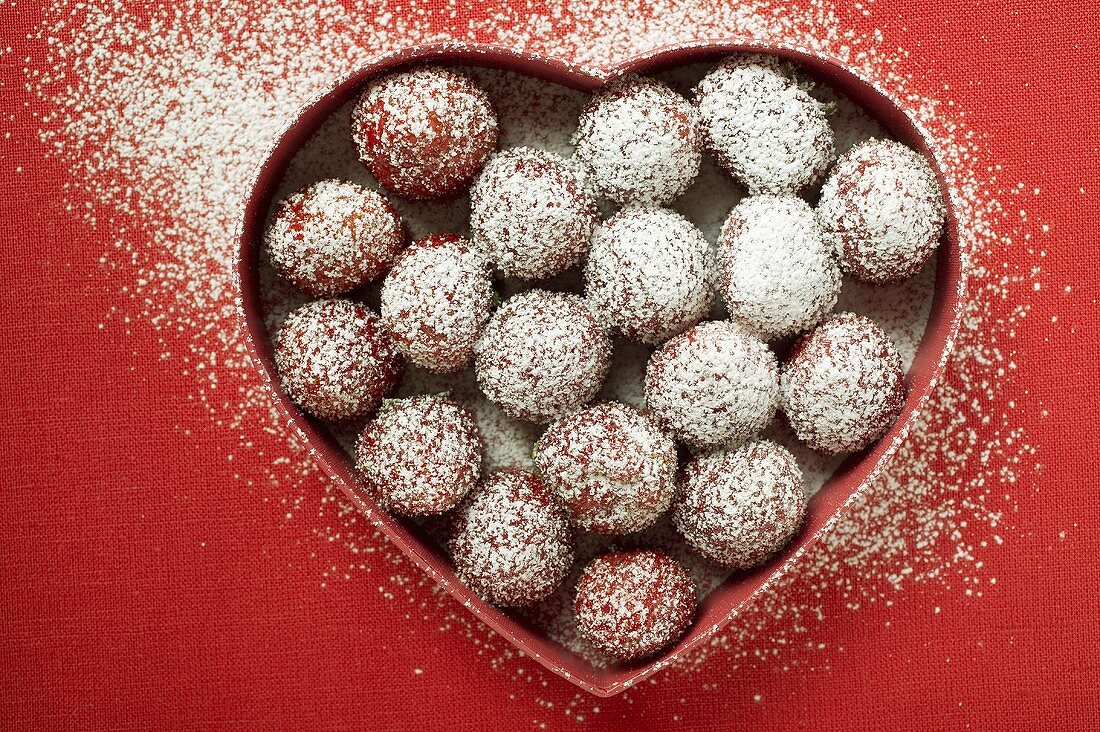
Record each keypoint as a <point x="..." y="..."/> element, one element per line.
<point x="175" y="279"/>
<point x="638" y="142"/>
<point x="714" y="385"/>
<point x="777" y="275"/>
<point x="531" y="213"/>
<point x="435" y="302"/>
<point x="762" y="126"/>
<point x="739" y="506"/>
<point x="842" y="387"/>
<point x="420" y="455"/>
<point x="542" y="355"/>
<point x="632" y="604"/>
<point x="333" y="236"/>
<point x="335" y="360"/>
<point x="649" y="273"/>
<point x="511" y="540"/>
<point x="882" y="210"/>
<point x="424" y="133"/>
<point x="614" y="467"/>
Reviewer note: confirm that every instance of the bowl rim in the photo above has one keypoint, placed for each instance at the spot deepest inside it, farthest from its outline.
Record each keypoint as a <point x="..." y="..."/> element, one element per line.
<point x="826" y="507"/>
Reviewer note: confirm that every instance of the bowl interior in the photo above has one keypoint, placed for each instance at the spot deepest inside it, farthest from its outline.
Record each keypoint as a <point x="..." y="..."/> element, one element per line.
<point x="722" y="604"/>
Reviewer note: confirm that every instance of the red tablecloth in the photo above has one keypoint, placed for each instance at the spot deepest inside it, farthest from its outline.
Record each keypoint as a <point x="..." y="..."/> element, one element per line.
<point x="172" y="559"/>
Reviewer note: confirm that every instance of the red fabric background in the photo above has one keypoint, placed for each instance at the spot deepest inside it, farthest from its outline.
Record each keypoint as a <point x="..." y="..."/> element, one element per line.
<point x="144" y="585"/>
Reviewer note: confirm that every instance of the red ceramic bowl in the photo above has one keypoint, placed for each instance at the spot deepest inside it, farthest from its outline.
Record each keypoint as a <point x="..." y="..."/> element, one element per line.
<point x="722" y="605"/>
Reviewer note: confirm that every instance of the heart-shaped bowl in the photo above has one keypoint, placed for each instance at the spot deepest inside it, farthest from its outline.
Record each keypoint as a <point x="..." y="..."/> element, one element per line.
<point x="722" y="604"/>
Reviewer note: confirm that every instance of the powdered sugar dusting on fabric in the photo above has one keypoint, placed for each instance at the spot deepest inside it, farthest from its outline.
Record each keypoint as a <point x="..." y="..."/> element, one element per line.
<point x="940" y="508"/>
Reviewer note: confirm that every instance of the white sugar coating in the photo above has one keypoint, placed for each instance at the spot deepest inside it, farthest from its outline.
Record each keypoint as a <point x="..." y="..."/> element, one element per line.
<point x="714" y="385"/>
<point x="612" y="466"/>
<point x="650" y="273"/>
<point x="776" y="273"/>
<point x="632" y="604"/>
<point x="882" y="210"/>
<point x="532" y="112"/>
<point x="638" y="141"/>
<point x="333" y="236"/>
<point x="531" y="213"/>
<point x="436" y="301"/>
<point x="843" y="386"/>
<point x="762" y="125"/>
<point x="555" y="614"/>
<point x="708" y="201"/>
<point x="739" y="506"/>
<point x="420" y="456"/>
<point x="542" y="355"/>
<point x="335" y="360"/>
<point x="425" y="132"/>
<point x="511" y="541"/>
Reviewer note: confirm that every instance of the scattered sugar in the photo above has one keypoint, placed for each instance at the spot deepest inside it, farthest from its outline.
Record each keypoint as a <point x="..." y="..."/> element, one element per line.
<point x="924" y="520"/>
